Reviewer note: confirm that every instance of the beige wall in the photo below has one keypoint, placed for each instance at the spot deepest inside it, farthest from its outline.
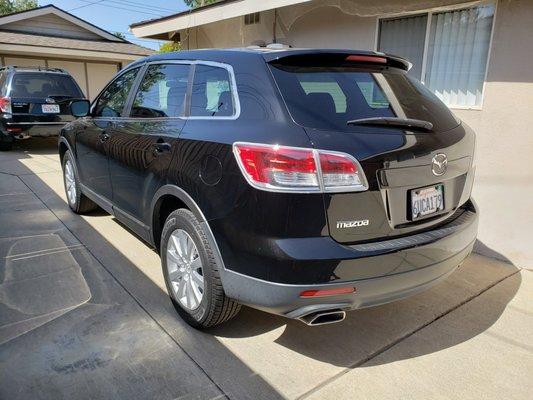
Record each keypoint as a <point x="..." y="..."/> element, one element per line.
<point x="504" y="126"/>
<point x="315" y="29"/>
<point x="99" y="75"/>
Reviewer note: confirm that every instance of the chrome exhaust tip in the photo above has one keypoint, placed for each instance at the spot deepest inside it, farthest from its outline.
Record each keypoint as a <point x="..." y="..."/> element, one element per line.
<point x="323" y="317"/>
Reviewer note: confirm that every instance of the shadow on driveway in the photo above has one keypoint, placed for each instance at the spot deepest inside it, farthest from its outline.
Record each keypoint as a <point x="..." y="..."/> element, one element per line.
<point x="122" y="329"/>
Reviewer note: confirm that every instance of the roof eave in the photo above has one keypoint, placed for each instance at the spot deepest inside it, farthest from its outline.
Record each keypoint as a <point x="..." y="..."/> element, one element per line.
<point x="51" y="9"/>
<point x="215" y="12"/>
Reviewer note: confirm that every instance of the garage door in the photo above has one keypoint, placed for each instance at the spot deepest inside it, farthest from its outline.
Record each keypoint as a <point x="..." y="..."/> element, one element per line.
<point x="74" y="68"/>
<point x="24" y="62"/>
<point x="99" y="75"/>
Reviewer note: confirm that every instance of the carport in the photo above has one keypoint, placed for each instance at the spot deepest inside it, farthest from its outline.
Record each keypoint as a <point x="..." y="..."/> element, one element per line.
<point x="50" y="37"/>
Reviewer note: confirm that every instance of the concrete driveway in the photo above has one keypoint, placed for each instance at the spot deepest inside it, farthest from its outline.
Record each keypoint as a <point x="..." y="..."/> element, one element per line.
<point x="84" y="315"/>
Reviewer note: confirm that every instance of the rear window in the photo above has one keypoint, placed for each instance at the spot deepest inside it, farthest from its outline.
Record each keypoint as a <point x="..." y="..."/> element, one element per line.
<point x="42" y="84"/>
<point x="327" y="97"/>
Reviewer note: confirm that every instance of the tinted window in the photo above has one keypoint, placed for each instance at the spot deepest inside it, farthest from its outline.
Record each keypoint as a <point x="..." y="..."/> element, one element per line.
<point x="211" y="92"/>
<point x="328" y="97"/>
<point x="113" y="99"/>
<point x="43" y="84"/>
<point x="162" y="92"/>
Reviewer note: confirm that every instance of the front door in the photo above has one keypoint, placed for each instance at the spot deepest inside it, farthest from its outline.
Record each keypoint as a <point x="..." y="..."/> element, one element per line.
<point x="142" y="145"/>
<point x="92" y="138"/>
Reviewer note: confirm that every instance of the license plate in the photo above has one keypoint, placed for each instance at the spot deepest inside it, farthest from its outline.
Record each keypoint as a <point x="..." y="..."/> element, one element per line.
<point x="50" y="108"/>
<point x="427" y="201"/>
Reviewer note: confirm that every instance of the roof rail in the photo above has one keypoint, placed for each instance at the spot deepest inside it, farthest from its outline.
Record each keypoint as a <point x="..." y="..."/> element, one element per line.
<point x="37" y="67"/>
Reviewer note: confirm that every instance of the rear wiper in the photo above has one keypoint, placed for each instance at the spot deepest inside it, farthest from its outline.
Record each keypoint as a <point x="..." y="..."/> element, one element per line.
<point x="414" y="124"/>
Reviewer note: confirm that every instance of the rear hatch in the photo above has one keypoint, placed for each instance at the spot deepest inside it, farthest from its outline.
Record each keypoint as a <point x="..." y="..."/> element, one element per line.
<point x="42" y="96"/>
<point x="419" y="172"/>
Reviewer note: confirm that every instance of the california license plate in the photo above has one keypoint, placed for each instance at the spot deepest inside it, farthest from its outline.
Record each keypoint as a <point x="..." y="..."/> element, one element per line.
<point x="427" y="201"/>
<point x="50" y="108"/>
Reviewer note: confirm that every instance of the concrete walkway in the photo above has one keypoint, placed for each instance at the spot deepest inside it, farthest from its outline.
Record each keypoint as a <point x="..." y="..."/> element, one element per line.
<point x="84" y="314"/>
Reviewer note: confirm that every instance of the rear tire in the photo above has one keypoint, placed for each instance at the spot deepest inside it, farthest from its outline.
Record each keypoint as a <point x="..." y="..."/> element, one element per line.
<point x="214" y="307"/>
<point x="76" y="200"/>
<point x="6" y="142"/>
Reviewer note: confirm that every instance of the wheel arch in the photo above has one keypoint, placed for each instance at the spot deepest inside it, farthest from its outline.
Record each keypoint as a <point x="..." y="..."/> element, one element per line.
<point x="63" y="146"/>
<point x="179" y="197"/>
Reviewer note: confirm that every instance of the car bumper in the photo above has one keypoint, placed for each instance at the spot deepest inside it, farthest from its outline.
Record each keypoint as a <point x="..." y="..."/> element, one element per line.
<point x="284" y="299"/>
<point x="34" y="129"/>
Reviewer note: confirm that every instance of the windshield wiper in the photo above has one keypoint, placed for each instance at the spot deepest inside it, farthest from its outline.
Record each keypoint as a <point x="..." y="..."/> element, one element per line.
<point x="414" y="124"/>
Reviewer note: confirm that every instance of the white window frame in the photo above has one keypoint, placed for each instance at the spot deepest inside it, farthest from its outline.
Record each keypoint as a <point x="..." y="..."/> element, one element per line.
<point x="430" y="12"/>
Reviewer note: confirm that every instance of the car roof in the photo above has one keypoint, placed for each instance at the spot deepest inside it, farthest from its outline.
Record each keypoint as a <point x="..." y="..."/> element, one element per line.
<point x="268" y="54"/>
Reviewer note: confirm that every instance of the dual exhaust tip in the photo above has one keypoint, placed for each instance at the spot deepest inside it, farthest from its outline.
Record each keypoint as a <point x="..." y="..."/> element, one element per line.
<point x="323" y="317"/>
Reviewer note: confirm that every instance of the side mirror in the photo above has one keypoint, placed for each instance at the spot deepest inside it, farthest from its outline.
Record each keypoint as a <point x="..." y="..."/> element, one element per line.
<point x="80" y="108"/>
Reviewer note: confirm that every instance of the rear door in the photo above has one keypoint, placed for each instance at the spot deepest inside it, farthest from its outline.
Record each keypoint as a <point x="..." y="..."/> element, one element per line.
<point x="42" y="97"/>
<point x="397" y="160"/>
<point x="141" y="146"/>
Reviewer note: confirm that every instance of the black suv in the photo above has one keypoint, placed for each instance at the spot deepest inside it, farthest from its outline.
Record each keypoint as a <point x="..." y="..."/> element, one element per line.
<point x="300" y="182"/>
<point x="34" y="102"/>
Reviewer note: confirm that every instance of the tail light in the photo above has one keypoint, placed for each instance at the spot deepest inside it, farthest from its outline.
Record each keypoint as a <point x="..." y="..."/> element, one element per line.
<point x="294" y="169"/>
<point x="5" y="105"/>
<point x="368" y="59"/>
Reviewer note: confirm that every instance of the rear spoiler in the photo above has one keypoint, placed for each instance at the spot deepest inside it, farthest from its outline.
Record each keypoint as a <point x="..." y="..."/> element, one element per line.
<point x="325" y="58"/>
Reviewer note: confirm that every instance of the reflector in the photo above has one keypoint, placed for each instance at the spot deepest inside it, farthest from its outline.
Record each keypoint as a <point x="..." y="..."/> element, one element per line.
<point x="327" y="292"/>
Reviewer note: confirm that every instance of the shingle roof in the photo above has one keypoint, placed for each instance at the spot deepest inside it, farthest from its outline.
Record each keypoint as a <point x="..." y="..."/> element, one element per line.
<point x="18" y="38"/>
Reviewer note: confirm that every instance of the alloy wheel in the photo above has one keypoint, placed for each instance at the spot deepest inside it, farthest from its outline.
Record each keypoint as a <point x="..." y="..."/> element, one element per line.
<point x="184" y="268"/>
<point x="70" y="182"/>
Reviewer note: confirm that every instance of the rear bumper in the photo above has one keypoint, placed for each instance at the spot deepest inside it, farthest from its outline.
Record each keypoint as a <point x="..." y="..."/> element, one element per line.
<point x="43" y="129"/>
<point x="444" y="250"/>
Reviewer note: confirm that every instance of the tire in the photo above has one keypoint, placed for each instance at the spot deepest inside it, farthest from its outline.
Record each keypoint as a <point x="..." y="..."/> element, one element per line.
<point x="5" y="144"/>
<point x="214" y="307"/>
<point x="76" y="200"/>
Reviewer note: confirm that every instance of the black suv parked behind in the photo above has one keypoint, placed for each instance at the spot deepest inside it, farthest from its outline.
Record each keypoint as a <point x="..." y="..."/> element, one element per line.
<point x="300" y="182"/>
<point x="34" y="102"/>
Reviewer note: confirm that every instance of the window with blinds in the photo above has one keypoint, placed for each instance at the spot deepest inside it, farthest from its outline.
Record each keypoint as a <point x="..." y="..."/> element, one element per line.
<point x="448" y="49"/>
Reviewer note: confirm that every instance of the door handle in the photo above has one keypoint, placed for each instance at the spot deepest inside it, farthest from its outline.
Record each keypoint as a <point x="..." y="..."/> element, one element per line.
<point x="161" y="147"/>
<point x="104" y="137"/>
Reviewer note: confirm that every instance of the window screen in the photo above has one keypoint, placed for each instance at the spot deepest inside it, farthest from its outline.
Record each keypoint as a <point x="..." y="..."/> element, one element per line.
<point x="211" y="92"/>
<point x="162" y="92"/>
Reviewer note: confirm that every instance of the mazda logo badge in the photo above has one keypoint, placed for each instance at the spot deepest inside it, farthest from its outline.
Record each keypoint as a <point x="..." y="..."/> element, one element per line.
<point x="439" y="164"/>
<point x="49" y="100"/>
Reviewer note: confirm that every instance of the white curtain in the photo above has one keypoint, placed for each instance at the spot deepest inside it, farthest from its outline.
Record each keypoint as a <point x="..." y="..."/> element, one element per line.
<point x="457" y="55"/>
<point x="405" y="37"/>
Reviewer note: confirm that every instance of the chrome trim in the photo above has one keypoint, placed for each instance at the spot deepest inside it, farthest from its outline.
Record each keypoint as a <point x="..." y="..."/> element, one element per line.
<point x="233" y="86"/>
<point x="418" y="239"/>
